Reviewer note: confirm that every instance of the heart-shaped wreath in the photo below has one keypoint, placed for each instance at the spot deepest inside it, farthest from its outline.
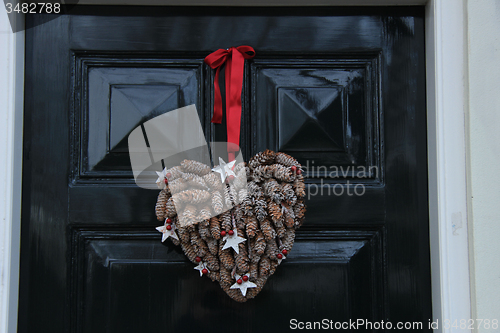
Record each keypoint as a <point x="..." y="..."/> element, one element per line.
<point x="236" y="229"/>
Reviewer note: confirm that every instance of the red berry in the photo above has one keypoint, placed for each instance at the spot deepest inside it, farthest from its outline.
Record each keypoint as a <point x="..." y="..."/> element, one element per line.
<point x="245" y="278"/>
<point x="279" y="255"/>
<point x="223" y="233"/>
<point x="230" y="232"/>
<point x="204" y="271"/>
<point x="169" y="227"/>
<point x="169" y="220"/>
<point x="166" y="181"/>
<point x="231" y="178"/>
<point x="284" y="252"/>
<point x="239" y="281"/>
<point x="294" y="168"/>
<point x="299" y="171"/>
<point x="168" y="175"/>
<point x="198" y="259"/>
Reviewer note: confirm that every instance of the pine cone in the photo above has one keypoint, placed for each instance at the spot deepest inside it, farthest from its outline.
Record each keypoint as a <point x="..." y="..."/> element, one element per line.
<point x="267" y="229"/>
<point x="213" y="275"/>
<point x="189" y="251"/>
<point x="264" y="267"/>
<point x="195" y="196"/>
<point x="194" y="180"/>
<point x="213" y="246"/>
<point x="273" y="190"/>
<point x="289" y="194"/>
<point x="289" y="217"/>
<point x="254" y="269"/>
<point x="170" y="208"/>
<point x="228" y="200"/>
<point x="225" y="277"/>
<point x="299" y="186"/>
<point x="275" y="212"/>
<point x="175" y="172"/>
<point x="241" y="259"/>
<point x="215" y="227"/>
<point x="260" y="209"/>
<point x="183" y="234"/>
<point x="288" y="240"/>
<point x="251" y="226"/>
<point x="286" y="160"/>
<point x="254" y="189"/>
<point x="160" y="205"/>
<point x="212" y="262"/>
<point x="281" y="173"/>
<point x="271" y="249"/>
<point x="265" y="157"/>
<point x="195" y="167"/>
<point x="217" y="202"/>
<point x="212" y="179"/>
<point x="188" y="216"/>
<point x="226" y="222"/>
<point x="177" y="185"/>
<point x="260" y="244"/>
<point x="205" y="213"/>
<point x="226" y="257"/>
<point x="204" y="231"/>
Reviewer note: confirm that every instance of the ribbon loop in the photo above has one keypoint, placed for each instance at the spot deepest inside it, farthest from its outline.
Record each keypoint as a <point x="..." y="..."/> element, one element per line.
<point x="234" y="58"/>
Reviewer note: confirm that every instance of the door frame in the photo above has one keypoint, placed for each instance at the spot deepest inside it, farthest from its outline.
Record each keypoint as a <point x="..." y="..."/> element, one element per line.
<point x="447" y="107"/>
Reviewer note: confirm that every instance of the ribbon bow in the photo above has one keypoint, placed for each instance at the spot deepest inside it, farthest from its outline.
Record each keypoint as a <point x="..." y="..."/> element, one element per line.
<point x="234" y="58"/>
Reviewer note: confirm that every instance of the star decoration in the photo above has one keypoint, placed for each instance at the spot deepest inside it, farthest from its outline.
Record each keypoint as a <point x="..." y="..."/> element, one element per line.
<point x="282" y="258"/>
<point x="233" y="241"/>
<point x="160" y="182"/>
<point x="225" y="169"/>
<point x="244" y="285"/>
<point x="200" y="267"/>
<point x="167" y="233"/>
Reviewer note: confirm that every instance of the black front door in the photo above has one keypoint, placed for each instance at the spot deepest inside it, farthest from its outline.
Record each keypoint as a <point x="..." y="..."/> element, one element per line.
<point x="341" y="89"/>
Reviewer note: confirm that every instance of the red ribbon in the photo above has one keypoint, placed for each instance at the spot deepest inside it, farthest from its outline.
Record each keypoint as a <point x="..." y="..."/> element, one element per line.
<point x="234" y="58"/>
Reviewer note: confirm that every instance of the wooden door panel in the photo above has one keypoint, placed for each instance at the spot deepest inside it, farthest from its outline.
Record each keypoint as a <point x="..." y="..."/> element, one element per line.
<point x="127" y="281"/>
<point x="344" y="88"/>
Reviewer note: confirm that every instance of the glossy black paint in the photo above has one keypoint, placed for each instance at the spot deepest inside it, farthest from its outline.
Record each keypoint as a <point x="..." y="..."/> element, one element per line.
<point x="344" y="87"/>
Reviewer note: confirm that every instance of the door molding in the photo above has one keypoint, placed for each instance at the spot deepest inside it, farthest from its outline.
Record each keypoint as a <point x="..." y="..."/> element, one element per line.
<point x="446" y="56"/>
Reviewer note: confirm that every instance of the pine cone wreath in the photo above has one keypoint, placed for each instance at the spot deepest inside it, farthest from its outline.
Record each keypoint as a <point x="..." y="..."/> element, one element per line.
<point x="236" y="233"/>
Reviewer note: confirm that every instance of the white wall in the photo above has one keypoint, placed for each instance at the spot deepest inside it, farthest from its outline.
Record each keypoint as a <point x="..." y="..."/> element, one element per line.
<point x="484" y="156"/>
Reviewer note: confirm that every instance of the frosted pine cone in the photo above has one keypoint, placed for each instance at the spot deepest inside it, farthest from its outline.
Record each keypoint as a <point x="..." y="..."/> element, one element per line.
<point x="175" y="172"/>
<point x="189" y="251"/>
<point x="177" y="185"/>
<point x="204" y="231"/>
<point x="260" y="209"/>
<point x="212" y="262"/>
<point x="195" y="167"/>
<point x="225" y="277"/>
<point x="226" y="257"/>
<point x="170" y="208"/>
<point x="286" y="160"/>
<point x="273" y="190"/>
<point x="251" y="226"/>
<point x="160" y="205"/>
<point x="213" y="246"/>
<point x="275" y="212"/>
<point x="299" y="186"/>
<point x="226" y="221"/>
<point x="241" y="259"/>
<point x="264" y="267"/>
<point x="265" y="157"/>
<point x="217" y="202"/>
<point x="281" y="173"/>
<point x="212" y="179"/>
<point x="289" y="194"/>
<point x="289" y="217"/>
<point x="215" y="227"/>
<point x="267" y="229"/>
<point x="205" y="213"/>
<point x="271" y="249"/>
<point x="288" y="240"/>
